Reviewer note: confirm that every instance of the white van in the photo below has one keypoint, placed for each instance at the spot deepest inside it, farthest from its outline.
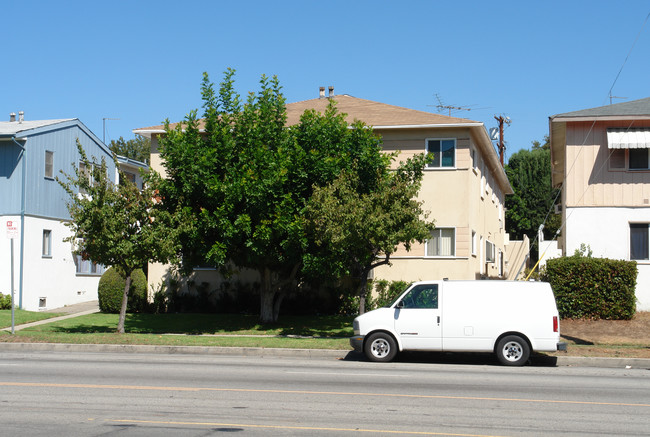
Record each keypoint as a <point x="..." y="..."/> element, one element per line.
<point x="509" y="318"/>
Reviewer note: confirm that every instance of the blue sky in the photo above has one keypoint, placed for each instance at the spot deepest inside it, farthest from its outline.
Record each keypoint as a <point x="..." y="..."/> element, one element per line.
<point x="142" y="61"/>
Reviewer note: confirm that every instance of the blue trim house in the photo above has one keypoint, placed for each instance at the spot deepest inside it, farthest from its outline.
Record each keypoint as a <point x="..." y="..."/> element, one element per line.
<point x="32" y="203"/>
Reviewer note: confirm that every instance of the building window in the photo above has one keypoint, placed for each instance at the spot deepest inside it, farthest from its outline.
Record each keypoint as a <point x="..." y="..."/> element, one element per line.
<point x="489" y="251"/>
<point x="638" y="159"/>
<point x="87" y="267"/>
<point x="49" y="164"/>
<point x="442" y="242"/>
<point x="617" y="159"/>
<point x="47" y="243"/>
<point x="444" y="153"/>
<point x="639" y="241"/>
<point x="127" y="176"/>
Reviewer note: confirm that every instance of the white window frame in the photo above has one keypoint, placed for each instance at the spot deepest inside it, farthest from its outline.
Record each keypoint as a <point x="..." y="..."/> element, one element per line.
<point x="429" y="241"/>
<point x="46" y="247"/>
<point x="430" y="166"/>
<point x="490" y="252"/>
<point x="49" y="164"/>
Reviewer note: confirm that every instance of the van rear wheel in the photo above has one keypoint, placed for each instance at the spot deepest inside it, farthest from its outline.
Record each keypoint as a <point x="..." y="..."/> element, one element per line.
<point x="512" y="350"/>
<point x="380" y="347"/>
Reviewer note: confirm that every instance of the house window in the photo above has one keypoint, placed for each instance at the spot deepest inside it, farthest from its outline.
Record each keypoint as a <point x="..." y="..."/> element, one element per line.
<point x="489" y="251"/>
<point x="47" y="243"/>
<point x="127" y="176"/>
<point x="444" y="153"/>
<point x="87" y="267"/>
<point x="638" y="159"/>
<point x="617" y="159"/>
<point x="49" y="164"/>
<point x="639" y="241"/>
<point x="442" y="242"/>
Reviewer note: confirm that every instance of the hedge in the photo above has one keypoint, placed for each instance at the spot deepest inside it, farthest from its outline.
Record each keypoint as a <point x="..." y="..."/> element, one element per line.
<point x="111" y="290"/>
<point x="594" y="288"/>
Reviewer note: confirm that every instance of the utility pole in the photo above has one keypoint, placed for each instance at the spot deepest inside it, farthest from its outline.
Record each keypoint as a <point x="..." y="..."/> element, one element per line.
<point x="502" y="145"/>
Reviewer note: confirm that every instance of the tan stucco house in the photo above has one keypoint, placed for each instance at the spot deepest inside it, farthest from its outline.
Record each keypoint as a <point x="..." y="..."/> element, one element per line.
<point x="600" y="161"/>
<point x="464" y="189"/>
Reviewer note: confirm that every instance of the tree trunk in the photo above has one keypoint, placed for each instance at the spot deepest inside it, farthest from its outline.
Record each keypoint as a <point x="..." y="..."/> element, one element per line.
<point x="279" y="297"/>
<point x="267" y="296"/>
<point x="125" y="299"/>
<point x="363" y="291"/>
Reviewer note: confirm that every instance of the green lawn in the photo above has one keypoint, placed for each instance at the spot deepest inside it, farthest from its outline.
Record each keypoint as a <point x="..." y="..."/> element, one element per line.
<point x="22" y="316"/>
<point x="323" y="332"/>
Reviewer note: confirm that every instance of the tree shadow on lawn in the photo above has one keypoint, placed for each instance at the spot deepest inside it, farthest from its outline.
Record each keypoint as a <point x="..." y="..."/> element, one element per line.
<point x="197" y="324"/>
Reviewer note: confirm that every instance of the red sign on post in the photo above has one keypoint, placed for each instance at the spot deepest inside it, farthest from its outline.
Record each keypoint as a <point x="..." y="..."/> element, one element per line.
<point x="12" y="229"/>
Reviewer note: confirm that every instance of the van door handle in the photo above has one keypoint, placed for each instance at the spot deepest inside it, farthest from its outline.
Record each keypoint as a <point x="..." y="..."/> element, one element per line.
<point x="438" y="320"/>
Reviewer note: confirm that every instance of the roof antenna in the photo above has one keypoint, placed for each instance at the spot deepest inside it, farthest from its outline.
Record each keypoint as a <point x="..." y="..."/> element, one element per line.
<point x="104" y="127"/>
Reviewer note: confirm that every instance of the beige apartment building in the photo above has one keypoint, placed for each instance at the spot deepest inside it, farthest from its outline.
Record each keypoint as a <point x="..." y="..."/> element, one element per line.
<point x="464" y="189"/>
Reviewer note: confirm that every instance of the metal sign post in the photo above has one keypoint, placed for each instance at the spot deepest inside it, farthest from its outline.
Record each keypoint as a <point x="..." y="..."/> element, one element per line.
<point x="12" y="233"/>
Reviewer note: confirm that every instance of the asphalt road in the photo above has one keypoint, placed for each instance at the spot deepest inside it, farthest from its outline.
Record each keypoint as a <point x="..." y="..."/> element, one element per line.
<point x="104" y="394"/>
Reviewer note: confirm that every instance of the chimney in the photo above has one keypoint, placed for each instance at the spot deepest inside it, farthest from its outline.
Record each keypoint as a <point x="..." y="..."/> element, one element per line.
<point x="321" y="92"/>
<point x="21" y="116"/>
<point x="331" y="89"/>
<point x="12" y="116"/>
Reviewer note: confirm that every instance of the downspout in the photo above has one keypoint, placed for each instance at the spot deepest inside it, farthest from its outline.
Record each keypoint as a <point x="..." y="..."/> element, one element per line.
<point x="22" y="220"/>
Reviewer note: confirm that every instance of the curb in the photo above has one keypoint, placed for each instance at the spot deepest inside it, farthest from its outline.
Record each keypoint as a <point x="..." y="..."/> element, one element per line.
<point x="610" y="363"/>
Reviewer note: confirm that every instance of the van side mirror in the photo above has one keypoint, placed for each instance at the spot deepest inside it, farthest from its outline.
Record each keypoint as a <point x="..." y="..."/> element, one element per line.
<point x="400" y="304"/>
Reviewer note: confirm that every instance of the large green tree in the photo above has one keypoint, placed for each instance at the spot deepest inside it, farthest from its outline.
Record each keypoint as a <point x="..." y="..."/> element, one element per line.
<point x="529" y="173"/>
<point x="138" y="148"/>
<point x="360" y="229"/>
<point x="116" y="225"/>
<point x="241" y="187"/>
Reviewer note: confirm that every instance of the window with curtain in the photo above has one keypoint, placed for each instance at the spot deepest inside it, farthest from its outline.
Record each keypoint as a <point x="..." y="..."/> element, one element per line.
<point x="442" y="242"/>
<point x="639" y="241"/>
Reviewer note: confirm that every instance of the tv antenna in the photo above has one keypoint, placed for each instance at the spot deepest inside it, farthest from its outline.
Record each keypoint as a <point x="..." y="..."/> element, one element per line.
<point x="104" y="127"/>
<point x="441" y="106"/>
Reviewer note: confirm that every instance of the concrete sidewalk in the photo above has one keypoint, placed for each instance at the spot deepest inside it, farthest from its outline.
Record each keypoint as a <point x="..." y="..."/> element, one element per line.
<point x="93" y="307"/>
<point x="70" y="311"/>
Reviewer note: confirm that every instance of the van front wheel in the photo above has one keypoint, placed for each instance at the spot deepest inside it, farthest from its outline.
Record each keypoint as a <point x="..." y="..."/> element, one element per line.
<point x="512" y="350"/>
<point x="380" y="347"/>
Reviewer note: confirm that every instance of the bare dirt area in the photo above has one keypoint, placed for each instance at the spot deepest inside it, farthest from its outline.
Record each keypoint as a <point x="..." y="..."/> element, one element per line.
<point x="613" y="338"/>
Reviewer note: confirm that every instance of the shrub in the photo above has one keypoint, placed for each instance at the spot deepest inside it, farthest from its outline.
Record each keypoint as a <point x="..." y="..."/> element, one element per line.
<point x="5" y="301"/>
<point x="111" y="290"/>
<point x="595" y="288"/>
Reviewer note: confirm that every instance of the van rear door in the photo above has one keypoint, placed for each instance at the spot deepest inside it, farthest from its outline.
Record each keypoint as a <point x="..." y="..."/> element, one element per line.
<point x="417" y="318"/>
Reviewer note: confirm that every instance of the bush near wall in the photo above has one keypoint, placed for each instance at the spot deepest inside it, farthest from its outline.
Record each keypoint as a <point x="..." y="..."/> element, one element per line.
<point x="111" y="290"/>
<point x="594" y="288"/>
<point x="5" y="302"/>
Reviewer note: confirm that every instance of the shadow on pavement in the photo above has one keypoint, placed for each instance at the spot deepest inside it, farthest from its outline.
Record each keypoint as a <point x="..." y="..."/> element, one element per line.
<point x="481" y="359"/>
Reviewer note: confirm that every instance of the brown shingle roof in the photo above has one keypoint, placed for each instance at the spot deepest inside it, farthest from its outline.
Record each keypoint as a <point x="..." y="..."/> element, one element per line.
<point x="370" y="112"/>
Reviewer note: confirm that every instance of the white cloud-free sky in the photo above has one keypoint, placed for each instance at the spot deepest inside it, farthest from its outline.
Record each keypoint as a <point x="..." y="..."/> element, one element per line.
<point x="141" y="62"/>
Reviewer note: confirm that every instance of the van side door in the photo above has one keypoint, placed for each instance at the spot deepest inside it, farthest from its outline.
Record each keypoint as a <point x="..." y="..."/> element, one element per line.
<point x="417" y="318"/>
